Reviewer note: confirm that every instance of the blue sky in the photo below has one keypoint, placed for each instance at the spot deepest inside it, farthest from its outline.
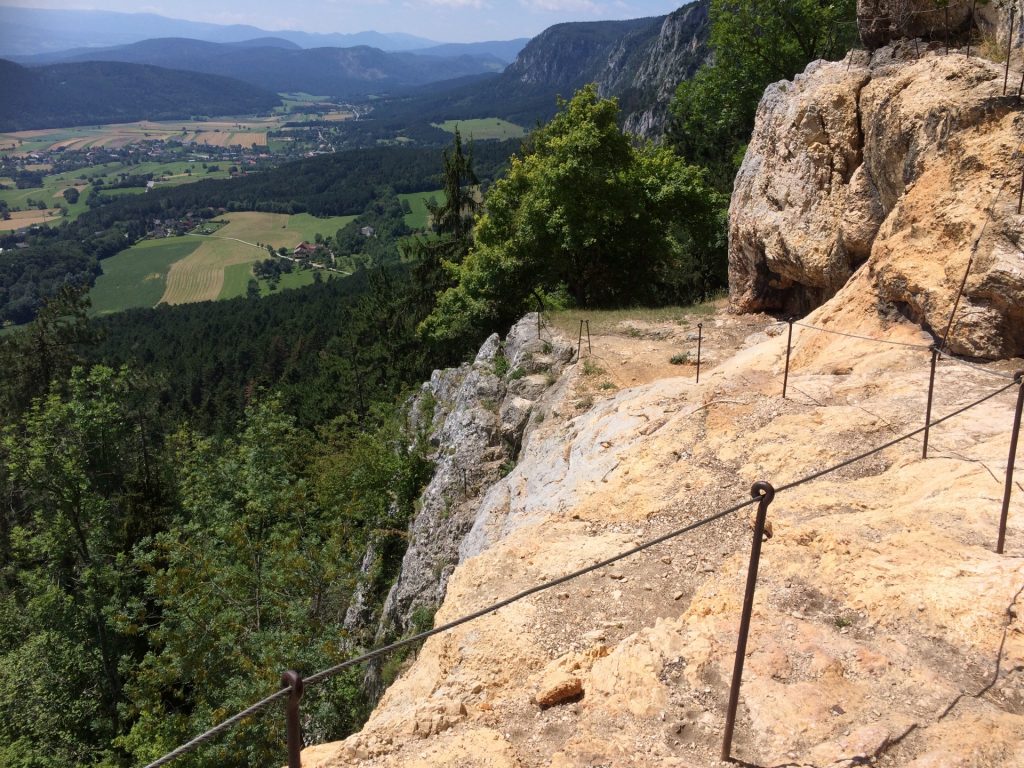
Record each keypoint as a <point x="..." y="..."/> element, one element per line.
<point x="444" y="20"/>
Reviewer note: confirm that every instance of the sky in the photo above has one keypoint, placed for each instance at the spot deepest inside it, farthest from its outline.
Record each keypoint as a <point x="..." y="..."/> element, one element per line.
<point x="442" y="20"/>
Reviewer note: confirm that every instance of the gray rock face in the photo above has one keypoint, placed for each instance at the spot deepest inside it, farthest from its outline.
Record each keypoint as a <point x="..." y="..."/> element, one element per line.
<point x="640" y="61"/>
<point x="478" y="422"/>
<point x="896" y="165"/>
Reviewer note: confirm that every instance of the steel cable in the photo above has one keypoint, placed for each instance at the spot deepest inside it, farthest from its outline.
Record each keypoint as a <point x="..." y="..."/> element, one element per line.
<point x="865" y="338"/>
<point x="417" y="638"/>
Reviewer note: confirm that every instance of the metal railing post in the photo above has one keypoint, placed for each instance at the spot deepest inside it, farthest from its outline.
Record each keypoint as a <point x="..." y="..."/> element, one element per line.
<point x="700" y="338"/>
<point x="928" y="409"/>
<point x="1009" y="48"/>
<point x="1014" y="436"/>
<point x="766" y="493"/>
<point x="579" y="341"/>
<point x="1020" y="195"/>
<point x="292" y="679"/>
<point x="970" y="28"/>
<point x="947" y="29"/>
<point x="590" y="349"/>
<point x="789" y="345"/>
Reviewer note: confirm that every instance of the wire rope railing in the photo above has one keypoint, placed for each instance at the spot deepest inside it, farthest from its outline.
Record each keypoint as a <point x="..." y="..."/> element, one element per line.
<point x="763" y="493"/>
<point x="293" y="685"/>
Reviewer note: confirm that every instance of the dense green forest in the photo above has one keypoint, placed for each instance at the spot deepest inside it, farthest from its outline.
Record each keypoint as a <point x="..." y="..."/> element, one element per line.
<point x="189" y="492"/>
<point x="96" y="92"/>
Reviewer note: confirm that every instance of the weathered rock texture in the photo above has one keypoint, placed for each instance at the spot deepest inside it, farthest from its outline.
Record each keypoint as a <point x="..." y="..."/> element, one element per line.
<point x="886" y="631"/>
<point x="901" y="167"/>
<point x="479" y="413"/>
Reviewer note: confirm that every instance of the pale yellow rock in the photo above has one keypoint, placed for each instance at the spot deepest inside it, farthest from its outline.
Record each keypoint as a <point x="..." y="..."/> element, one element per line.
<point x="558" y="687"/>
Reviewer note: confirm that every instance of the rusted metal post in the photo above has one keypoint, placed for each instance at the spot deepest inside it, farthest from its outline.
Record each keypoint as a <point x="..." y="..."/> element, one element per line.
<point x="590" y="349"/>
<point x="947" y="29"/>
<point x="928" y="409"/>
<point x="579" y="341"/>
<point x="766" y="493"/>
<point x="1014" y="435"/>
<point x="1009" y="49"/>
<point x="540" y="314"/>
<point x="1020" y="196"/>
<point x="1020" y="88"/>
<point x="293" y="680"/>
<point x="970" y="28"/>
<point x="700" y="338"/>
<point x="789" y="345"/>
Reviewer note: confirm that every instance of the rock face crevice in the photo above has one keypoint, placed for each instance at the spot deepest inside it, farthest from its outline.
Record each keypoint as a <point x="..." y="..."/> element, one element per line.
<point x="478" y="415"/>
<point x="901" y="166"/>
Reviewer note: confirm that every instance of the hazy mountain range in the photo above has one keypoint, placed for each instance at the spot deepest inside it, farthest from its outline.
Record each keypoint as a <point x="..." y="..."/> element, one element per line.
<point x="279" y="65"/>
<point x="31" y="31"/>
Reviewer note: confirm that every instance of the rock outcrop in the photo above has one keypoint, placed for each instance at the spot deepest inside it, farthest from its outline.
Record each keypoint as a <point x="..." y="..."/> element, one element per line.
<point x="906" y="168"/>
<point x="640" y="61"/>
<point x="885" y="630"/>
<point x="479" y="413"/>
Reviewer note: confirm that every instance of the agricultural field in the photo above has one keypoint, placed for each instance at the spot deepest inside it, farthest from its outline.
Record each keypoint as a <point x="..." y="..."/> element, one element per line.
<point x="200" y="276"/>
<point x="180" y="270"/>
<point x="419" y="217"/>
<point x="21" y="219"/>
<point x="237" y="277"/>
<point x="216" y="133"/>
<point x="483" y="129"/>
<point x="137" y="277"/>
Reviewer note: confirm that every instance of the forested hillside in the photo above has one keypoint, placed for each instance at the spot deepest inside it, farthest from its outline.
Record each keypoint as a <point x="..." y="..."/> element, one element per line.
<point x="336" y="72"/>
<point x="109" y="92"/>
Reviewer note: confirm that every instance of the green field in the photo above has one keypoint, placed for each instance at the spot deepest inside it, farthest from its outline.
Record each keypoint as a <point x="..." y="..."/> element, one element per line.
<point x="213" y="271"/>
<point x="418" y="202"/>
<point x="237" y="277"/>
<point x="306" y="226"/>
<point x="137" y="277"/>
<point x="483" y="128"/>
<point x="236" y="281"/>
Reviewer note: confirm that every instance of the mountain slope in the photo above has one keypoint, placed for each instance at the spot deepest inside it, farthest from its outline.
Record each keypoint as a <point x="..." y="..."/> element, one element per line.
<point x="111" y="92"/>
<point x="640" y="61"/>
<point x="28" y="31"/>
<point x="283" y="67"/>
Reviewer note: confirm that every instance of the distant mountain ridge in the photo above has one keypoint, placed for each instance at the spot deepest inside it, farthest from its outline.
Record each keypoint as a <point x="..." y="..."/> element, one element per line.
<point x="112" y="92"/>
<point x="639" y="61"/>
<point x="29" y="31"/>
<point x="277" y="64"/>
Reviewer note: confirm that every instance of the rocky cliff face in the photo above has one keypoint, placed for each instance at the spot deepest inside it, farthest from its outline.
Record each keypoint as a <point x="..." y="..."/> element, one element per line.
<point x="906" y="169"/>
<point x="478" y="414"/>
<point x="641" y="62"/>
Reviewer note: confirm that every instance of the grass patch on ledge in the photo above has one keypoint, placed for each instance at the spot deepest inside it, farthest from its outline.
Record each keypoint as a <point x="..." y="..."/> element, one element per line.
<point x="605" y="321"/>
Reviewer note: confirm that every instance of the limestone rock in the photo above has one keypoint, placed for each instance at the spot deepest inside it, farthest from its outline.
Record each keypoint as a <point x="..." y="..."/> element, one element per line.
<point x="557" y="688"/>
<point x="898" y="163"/>
<point x="477" y="421"/>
